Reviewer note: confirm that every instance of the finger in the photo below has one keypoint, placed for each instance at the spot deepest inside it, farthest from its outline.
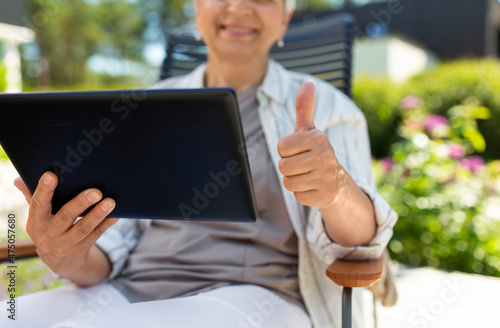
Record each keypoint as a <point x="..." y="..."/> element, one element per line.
<point x="297" y="143"/>
<point x="298" y="164"/>
<point x="19" y="183"/>
<point x="305" y="107"/>
<point x="41" y="202"/>
<point x="87" y="224"/>
<point x="300" y="183"/>
<point x="66" y="216"/>
<point x="90" y="240"/>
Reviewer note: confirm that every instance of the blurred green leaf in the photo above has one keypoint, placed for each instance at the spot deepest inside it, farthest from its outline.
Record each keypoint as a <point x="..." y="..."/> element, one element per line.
<point x="3" y="81"/>
<point x="476" y="139"/>
<point x="482" y="113"/>
<point x="3" y="155"/>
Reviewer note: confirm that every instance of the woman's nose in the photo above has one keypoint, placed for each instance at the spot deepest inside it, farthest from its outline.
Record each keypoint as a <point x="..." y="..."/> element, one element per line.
<point x="239" y="5"/>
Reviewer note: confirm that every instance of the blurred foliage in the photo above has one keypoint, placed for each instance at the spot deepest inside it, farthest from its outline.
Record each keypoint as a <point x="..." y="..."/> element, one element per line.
<point x="446" y="86"/>
<point x="32" y="276"/>
<point x="3" y="155"/>
<point x="460" y="80"/>
<point x="95" y="82"/>
<point x="69" y="33"/>
<point x="3" y="86"/>
<point x="3" y="81"/>
<point x="448" y="200"/>
<point x="379" y="101"/>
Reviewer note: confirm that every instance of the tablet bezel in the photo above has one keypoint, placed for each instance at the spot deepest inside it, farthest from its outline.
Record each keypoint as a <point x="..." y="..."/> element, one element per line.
<point x="67" y="112"/>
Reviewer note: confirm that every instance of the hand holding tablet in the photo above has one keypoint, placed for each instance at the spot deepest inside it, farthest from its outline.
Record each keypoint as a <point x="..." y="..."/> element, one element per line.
<point x="68" y="247"/>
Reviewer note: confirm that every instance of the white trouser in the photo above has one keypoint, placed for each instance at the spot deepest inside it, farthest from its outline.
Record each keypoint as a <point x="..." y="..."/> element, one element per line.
<point x="235" y="306"/>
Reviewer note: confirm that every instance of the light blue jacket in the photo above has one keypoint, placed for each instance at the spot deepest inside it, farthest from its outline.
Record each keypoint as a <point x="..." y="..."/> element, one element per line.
<point x="346" y="128"/>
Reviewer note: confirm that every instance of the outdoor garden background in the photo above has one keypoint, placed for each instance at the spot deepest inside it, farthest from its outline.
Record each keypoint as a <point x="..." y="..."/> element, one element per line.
<point x="435" y="138"/>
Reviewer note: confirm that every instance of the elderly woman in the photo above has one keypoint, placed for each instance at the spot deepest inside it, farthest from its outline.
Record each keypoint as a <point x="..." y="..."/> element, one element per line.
<point x="315" y="194"/>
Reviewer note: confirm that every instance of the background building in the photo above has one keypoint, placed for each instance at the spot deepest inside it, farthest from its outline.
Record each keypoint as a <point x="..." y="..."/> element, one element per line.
<point x="400" y="38"/>
<point x="12" y="34"/>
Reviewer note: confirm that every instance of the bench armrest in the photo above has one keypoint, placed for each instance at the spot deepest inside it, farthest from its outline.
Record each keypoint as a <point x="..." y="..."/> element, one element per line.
<point x="24" y="249"/>
<point x="356" y="273"/>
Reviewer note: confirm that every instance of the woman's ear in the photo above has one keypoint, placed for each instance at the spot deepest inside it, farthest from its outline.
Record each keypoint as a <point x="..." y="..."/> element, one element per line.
<point x="195" y="7"/>
<point x="286" y="21"/>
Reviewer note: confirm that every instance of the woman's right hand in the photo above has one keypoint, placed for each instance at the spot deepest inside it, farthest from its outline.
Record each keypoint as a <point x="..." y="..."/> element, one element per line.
<point x="61" y="243"/>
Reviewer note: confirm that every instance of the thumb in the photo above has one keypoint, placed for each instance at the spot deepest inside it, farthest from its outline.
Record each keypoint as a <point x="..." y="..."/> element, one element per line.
<point x="305" y="107"/>
<point x="19" y="183"/>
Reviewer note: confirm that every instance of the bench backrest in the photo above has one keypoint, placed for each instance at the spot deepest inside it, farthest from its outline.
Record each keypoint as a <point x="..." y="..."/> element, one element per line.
<point x="321" y="47"/>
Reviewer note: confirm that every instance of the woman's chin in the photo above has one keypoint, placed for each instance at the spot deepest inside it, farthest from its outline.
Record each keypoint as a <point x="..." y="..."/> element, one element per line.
<point x="238" y="54"/>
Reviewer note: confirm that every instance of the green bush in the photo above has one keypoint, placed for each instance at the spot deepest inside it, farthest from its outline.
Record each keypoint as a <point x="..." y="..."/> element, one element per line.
<point x="3" y="155"/>
<point x="380" y="103"/>
<point x="3" y="82"/>
<point x="3" y="86"/>
<point x="32" y="276"/>
<point x="447" y="200"/>
<point x="450" y="84"/>
<point x="447" y="85"/>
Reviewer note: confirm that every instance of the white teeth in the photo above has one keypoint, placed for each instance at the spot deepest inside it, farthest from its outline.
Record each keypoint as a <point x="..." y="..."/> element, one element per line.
<point x="239" y="30"/>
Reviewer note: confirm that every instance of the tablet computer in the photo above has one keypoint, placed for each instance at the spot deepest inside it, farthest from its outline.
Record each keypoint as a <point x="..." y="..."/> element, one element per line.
<point x="161" y="154"/>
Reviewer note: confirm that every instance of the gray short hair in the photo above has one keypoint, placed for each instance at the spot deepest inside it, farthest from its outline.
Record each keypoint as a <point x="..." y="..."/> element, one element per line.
<point x="289" y="5"/>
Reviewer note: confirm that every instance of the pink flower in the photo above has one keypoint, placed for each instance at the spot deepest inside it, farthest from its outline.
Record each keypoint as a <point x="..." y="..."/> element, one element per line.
<point x="456" y="151"/>
<point x="410" y="102"/>
<point x="437" y="126"/>
<point x="29" y="286"/>
<point x="434" y="121"/>
<point x="412" y="124"/>
<point x="473" y="163"/>
<point x="387" y="164"/>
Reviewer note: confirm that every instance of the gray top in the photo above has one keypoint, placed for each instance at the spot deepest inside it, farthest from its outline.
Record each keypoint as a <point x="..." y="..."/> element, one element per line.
<point x="179" y="258"/>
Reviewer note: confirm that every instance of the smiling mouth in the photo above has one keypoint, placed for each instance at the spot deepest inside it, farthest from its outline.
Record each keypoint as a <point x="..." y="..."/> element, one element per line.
<point x="238" y="30"/>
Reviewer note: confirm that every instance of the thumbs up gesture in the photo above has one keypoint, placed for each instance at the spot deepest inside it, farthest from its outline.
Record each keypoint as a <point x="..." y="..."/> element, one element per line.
<point x="308" y="160"/>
